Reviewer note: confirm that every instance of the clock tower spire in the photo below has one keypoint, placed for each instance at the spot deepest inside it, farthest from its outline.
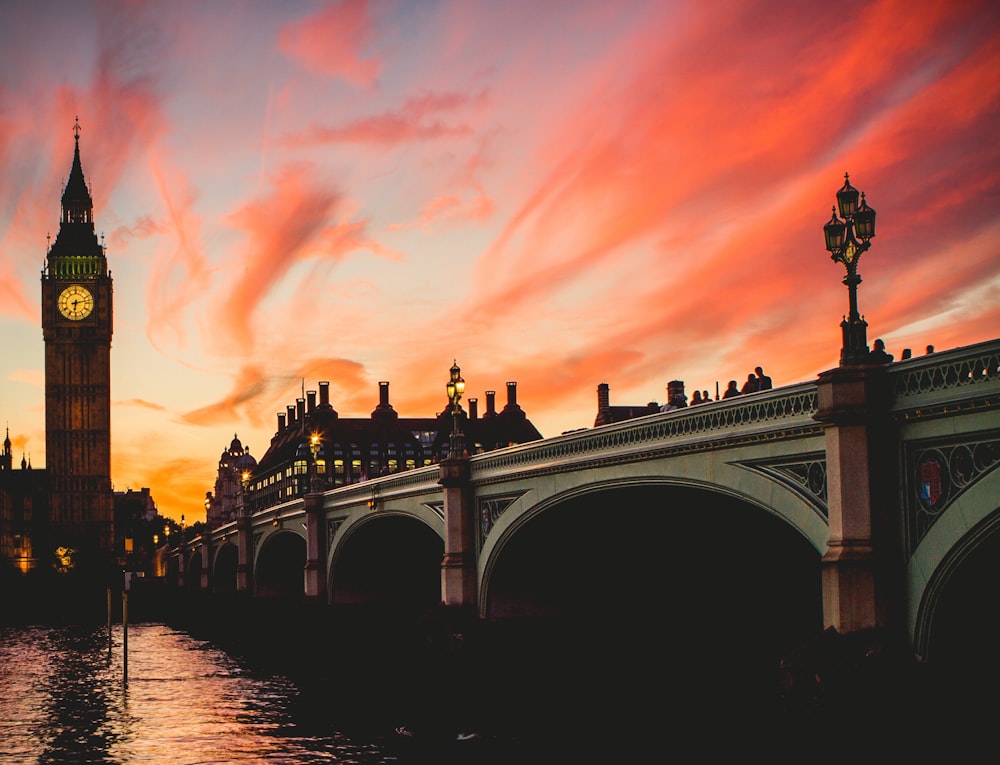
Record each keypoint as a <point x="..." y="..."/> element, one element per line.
<point x="76" y="328"/>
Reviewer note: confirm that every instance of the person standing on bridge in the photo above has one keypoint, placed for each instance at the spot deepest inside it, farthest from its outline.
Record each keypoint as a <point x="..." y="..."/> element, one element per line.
<point x="731" y="390"/>
<point x="878" y="354"/>
<point x="763" y="381"/>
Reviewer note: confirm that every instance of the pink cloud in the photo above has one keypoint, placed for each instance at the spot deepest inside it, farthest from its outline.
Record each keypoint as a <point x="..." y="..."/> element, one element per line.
<point x="419" y="119"/>
<point x="332" y="41"/>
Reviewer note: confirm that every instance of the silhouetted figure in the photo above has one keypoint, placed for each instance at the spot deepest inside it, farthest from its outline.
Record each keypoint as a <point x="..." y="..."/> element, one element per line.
<point x="676" y="401"/>
<point x="705" y="397"/>
<point x="731" y="390"/>
<point x="907" y="353"/>
<point x="763" y="381"/>
<point x="877" y="355"/>
<point x="696" y="397"/>
<point x="750" y="386"/>
<point x="930" y="349"/>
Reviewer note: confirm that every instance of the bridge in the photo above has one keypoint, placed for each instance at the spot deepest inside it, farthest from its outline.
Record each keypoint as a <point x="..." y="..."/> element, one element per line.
<point x="868" y="498"/>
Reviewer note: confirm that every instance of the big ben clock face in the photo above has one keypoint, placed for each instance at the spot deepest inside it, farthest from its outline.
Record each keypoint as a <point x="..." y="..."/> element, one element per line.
<point x="76" y="302"/>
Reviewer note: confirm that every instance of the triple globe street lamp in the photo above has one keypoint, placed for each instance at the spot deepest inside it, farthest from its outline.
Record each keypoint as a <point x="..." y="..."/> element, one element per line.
<point x="847" y="238"/>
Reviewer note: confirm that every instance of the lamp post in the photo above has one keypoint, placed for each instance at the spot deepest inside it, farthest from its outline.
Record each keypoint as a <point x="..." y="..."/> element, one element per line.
<point x="245" y="486"/>
<point x="309" y="465"/>
<point x="846" y="240"/>
<point x="318" y="462"/>
<point x="455" y="388"/>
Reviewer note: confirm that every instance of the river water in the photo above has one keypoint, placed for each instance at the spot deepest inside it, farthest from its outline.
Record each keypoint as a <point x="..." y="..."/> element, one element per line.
<point x="64" y="699"/>
<point x="67" y="695"/>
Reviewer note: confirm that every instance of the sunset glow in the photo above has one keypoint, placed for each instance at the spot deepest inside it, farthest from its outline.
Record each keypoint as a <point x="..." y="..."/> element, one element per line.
<point x="559" y="194"/>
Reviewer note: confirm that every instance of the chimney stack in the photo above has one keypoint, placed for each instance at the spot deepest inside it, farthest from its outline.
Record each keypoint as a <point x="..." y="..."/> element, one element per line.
<point x="300" y="410"/>
<point x="291" y="415"/>
<point x="311" y="401"/>
<point x="511" y="396"/>
<point x="383" y="394"/>
<point x="603" y="397"/>
<point x="491" y="404"/>
<point x="473" y="408"/>
<point x="324" y="394"/>
<point x="281" y="421"/>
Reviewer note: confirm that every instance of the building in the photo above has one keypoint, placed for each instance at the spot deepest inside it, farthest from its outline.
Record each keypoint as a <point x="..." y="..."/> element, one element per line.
<point x="234" y="462"/>
<point x="606" y="414"/>
<point x="24" y="511"/>
<point x="65" y="513"/>
<point x="356" y="449"/>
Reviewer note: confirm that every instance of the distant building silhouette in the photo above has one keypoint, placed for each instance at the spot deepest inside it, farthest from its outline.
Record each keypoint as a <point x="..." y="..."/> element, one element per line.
<point x="606" y="414"/>
<point x="356" y="449"/>
<point x="220" y="508"/>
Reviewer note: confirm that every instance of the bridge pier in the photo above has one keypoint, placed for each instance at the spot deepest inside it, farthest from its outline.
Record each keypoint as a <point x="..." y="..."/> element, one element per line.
<point x="244" y="565"/>
<point x="458" y="567"/>
<point x="182" y="565"/>
<point x="315" y="571"/>
<point x="206" y="563"/>
<point x="856" y="584"/>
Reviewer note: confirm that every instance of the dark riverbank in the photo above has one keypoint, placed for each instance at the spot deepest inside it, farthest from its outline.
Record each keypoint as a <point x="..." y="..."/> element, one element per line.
<point x="600" y="689"/>
<point x="593" y="691"/>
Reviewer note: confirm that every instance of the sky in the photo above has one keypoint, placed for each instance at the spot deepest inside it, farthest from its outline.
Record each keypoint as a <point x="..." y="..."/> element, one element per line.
<point x="559" y="194"/>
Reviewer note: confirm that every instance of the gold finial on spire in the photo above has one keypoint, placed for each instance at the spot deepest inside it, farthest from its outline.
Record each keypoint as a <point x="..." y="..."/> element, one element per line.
<point x="76" y="128"/>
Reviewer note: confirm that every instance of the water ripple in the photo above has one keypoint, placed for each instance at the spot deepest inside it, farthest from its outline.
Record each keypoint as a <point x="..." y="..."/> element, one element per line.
<point x="63" y="699"/>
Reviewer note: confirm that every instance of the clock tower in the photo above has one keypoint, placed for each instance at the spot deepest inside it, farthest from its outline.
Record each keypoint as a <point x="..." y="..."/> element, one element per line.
<point x="76" y="328"/>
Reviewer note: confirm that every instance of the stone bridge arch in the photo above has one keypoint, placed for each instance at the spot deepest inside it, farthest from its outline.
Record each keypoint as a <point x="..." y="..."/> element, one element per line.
<point x="192" y="569"/>
<point x="954" y="576"/>
<point x="619" y="497"/>
<point x="390" y="560"/>
<point x="280" y="564"/>
<point x="224" y="566"/>
<point x="670" y="584"/>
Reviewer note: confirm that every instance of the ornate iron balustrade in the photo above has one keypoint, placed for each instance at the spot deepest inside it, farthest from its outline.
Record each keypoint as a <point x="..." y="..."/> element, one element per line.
<point x="779" y="413"/>
<point x="928" y="381"/>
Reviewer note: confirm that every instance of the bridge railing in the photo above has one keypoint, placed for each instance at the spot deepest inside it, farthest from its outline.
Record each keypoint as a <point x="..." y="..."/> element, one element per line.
<point x="933" y="380"/>
<point x="788" y="409"/>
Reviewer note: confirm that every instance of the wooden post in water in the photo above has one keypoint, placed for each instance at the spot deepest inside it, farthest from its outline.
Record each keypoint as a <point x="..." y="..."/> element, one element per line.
<point x="109" y="622"/>
<point x="125" y="636"/>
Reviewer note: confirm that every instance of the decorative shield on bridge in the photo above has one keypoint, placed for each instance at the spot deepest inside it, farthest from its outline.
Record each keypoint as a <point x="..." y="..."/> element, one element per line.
<point x="931" y="481"/>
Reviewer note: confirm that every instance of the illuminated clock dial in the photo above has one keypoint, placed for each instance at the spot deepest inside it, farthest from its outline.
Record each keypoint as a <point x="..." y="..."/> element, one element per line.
<point x="76" y="302"/>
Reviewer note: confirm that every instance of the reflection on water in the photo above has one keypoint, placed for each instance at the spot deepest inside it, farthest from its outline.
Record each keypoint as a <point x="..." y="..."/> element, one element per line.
<point x="63" y="700"/>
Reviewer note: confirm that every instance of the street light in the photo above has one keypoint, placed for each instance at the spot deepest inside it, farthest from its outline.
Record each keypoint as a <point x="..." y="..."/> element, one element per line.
<point x="309" y="465"/>
<point x="318" y="462"/>
<point x="846" y="240"/>
<point x="455" y="389"/>
<point x="245" y="484"/>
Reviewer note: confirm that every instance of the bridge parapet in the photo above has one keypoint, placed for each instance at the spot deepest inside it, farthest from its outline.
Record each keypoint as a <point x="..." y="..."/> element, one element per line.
<point x="779" y="413"/>
<point x="928" y="384"/>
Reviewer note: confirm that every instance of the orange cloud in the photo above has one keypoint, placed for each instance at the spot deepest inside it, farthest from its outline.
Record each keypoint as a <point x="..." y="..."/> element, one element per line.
<point x="141" y="404"/>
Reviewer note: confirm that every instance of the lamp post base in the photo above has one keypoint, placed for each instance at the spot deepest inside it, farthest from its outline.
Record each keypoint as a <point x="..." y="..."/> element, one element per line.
<point x="855" y="349"/>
